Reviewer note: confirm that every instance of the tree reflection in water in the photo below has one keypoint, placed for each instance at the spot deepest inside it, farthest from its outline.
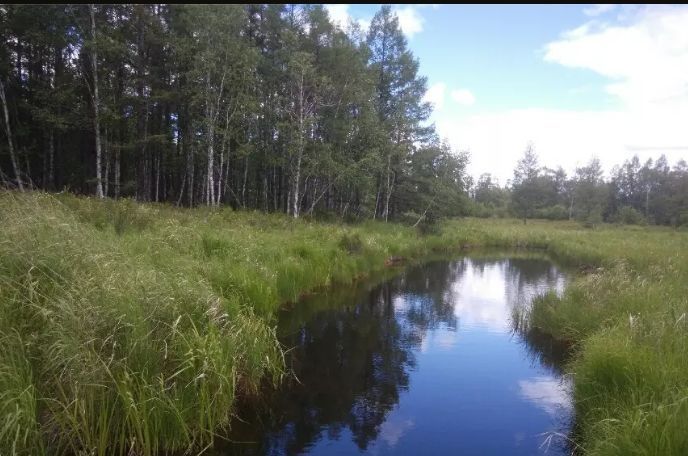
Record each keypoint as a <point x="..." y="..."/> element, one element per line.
<point x="352" y="350"/>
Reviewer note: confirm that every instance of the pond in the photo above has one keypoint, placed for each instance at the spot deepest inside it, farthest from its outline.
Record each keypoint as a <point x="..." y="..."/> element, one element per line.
<point x="426" y="362"/>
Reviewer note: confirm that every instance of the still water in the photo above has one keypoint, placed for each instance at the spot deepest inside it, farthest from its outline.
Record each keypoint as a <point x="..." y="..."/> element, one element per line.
<point x="427" y="362"/>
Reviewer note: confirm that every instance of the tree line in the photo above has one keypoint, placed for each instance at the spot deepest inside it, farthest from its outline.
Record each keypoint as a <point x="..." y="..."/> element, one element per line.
<point x="268" y="107"/>
<point x="654" y="192"/>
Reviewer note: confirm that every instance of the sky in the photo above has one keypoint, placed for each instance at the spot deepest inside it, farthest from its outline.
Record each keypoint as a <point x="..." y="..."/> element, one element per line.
<point x="578" y="81"/>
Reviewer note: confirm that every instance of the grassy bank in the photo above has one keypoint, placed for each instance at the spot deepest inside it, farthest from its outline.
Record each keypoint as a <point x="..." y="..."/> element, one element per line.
<point x="628" y="322"/>
<point x="130" y="329"/>
<point x="626" y="317"/>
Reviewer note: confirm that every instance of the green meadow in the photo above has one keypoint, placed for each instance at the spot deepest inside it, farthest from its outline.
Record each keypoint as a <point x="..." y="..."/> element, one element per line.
<point x="132" y="328"/>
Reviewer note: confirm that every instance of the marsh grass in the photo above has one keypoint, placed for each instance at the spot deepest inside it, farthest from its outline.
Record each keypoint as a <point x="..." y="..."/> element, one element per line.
<point x="113" y="344"/>
<point x="132" y="328"/>
<point x="626" y="317"/>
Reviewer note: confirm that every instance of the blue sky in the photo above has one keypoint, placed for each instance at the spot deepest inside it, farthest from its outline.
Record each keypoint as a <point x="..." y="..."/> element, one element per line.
<point x="497" y="51"/>
<point x="576" y="80"/>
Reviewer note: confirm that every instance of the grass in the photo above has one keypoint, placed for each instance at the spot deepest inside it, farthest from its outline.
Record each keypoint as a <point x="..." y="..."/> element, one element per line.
<point x="626" y="317"/>
<point x="131" y="329"/>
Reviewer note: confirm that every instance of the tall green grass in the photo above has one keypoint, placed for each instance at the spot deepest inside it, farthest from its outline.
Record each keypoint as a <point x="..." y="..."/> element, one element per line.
<point x="114" y="341"/>
<point x="131" y="329"/>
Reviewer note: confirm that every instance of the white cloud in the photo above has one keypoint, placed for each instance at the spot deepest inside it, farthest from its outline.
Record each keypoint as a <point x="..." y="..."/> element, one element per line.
<point x="463" y="97"/>
<point x="339" y="14"/>
<point x="435" y="95"/>
<point x="551" y="395"/>
<point x="410" y="21"/>
<point x="645" y="57"/>
<point x="647" y="60"/>
<point x="394" y="428"/>
<point x="598" y="9"/>
<point x="480" y="298"/>
<point x="565" y="138"/>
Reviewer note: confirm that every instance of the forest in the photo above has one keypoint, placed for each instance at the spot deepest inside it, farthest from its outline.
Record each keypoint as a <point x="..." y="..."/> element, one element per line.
<point x="268" y="107"/>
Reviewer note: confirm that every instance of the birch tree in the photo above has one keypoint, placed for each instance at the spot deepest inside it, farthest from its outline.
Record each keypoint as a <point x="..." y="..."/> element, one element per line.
<point x="95" y="98"/>
<point x="10" y="138"/>
<point x="302" y="110"/>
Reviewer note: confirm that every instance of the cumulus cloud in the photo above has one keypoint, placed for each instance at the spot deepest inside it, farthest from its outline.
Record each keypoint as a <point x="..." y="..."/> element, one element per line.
<point x="647" y="60"/>
<point x="435" y="95"/>
<point x="564" y="138"/>
<point x="410" y="20"/>
<point x="463" y="97"/>
<point x="643" y="54"/>
<point x="497" y="140"/>
<point x="339" y="14"/>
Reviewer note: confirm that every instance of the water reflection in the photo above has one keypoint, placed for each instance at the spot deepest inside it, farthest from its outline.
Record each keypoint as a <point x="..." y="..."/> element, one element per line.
<point x="546" y="393"/>
<point x="427" y="356"/>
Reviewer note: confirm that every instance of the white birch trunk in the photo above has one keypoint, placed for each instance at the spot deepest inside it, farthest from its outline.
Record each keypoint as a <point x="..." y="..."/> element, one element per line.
<point x="96" y="105"/>
<point x="10" y="139"/>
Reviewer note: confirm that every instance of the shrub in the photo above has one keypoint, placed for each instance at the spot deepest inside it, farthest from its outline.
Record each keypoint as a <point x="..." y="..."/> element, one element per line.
<point x="556" y="212"/>
<point x="629" y="216"/>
